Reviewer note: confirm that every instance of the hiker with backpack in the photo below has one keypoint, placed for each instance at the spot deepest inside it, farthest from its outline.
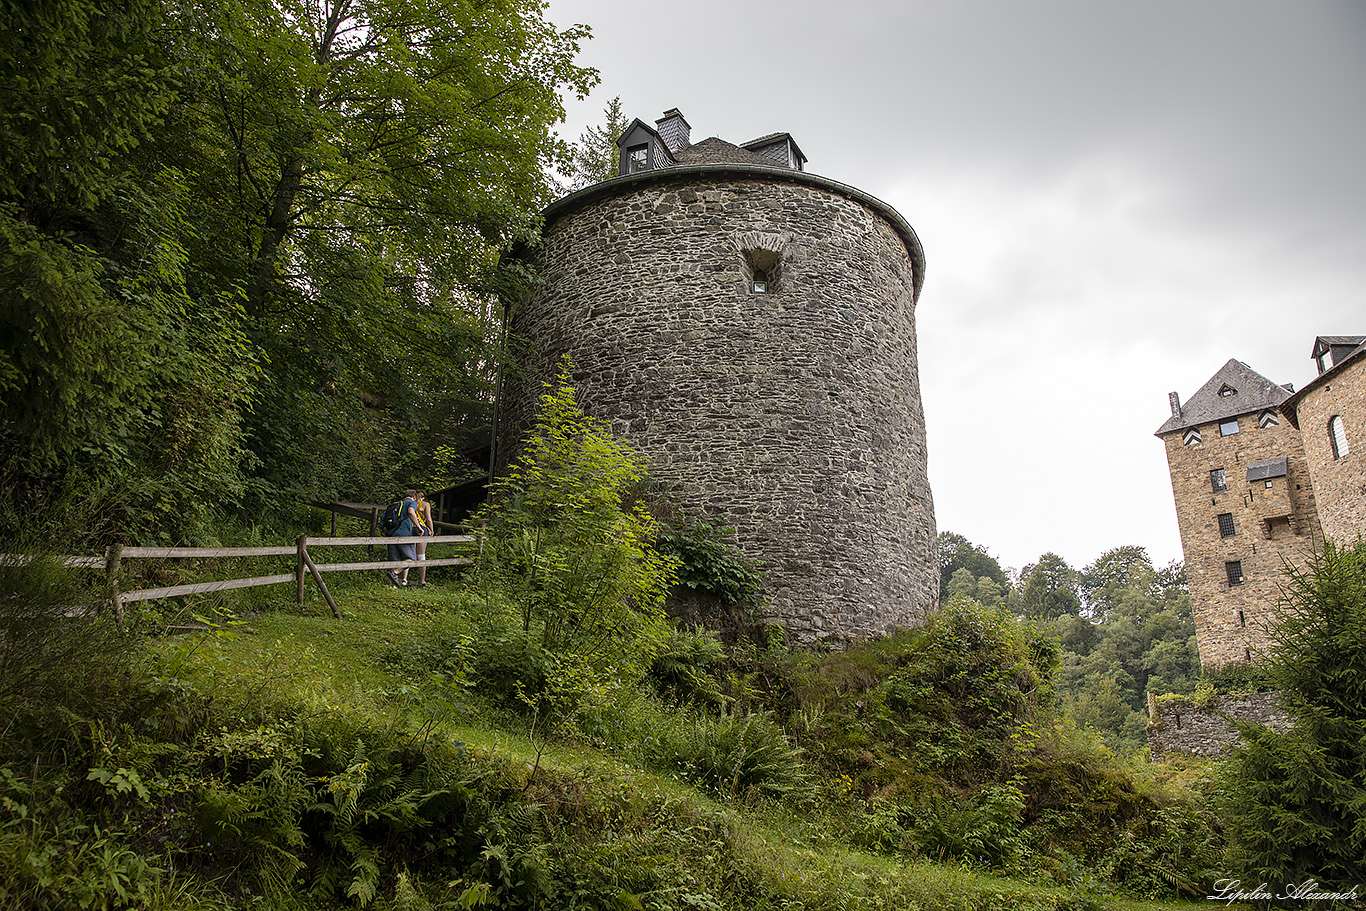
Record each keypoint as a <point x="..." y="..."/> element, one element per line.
<point x="402" y="521"/>
<point x="424" y="515"/>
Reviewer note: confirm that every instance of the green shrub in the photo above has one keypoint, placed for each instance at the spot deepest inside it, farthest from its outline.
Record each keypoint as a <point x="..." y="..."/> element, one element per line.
<point x="571" y="559"/>
<point x="736" y="756"/>
<point x="983" y="827"/>
<point x="688" y="667"/>
<point x="708" y="561"/>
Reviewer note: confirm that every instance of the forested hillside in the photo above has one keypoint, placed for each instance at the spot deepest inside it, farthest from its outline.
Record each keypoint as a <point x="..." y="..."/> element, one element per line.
<point x="1125" y="627"/>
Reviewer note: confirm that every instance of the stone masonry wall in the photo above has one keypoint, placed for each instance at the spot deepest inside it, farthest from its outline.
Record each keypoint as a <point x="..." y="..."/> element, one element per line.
<point x="1183" y="726"/>
<point x="1339" y="484"/>
<point x="795" y="413"/>
<point x="1271" y="525"/>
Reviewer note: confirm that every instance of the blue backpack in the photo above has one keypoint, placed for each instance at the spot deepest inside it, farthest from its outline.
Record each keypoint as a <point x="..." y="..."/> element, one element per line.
<point x="392" y="518"/>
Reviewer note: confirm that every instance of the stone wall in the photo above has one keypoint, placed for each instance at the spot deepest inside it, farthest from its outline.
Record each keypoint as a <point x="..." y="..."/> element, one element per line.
<point x="1181" y="726"/>
<point x="1272" y="525"/>
<point x="1339" y="484"/>
<point x="796" y="414"/>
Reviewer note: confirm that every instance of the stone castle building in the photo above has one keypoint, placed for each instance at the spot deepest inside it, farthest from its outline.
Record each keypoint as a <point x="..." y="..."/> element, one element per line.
<point x="750" y="328"/>
<point x="1260" y="475"/>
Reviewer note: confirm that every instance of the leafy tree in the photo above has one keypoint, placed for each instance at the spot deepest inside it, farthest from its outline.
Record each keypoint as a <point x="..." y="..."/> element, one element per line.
<point x="1294" y="802"/>
<point x="595" y="158"/>
<point x="115" y="371"/>
<point x="248" y="249"/>
<point x="1050" y="588"/>
<point x="365" y="161"/>
<point x="957" y="552"/>
<point x="576" y="563"/>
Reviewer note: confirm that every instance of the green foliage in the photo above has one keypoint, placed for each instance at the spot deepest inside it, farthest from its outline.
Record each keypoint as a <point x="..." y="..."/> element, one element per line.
<point x="1236" y="679"/>
<point x="735" y="755"/>
<point x="688" y="667"/>
<point x="248" y="249"/>
<point x="55" y="656"/>
<point x="1294" y="802"/>
<point x="709" y="561"/>
<point x="575" y="563"/>
<point x="1135" y="635"/>
<point x="1050" y="588"/>
<point x="959" y="555"/>
<point x="971" y="682"/>
<point x="595" y="157"/>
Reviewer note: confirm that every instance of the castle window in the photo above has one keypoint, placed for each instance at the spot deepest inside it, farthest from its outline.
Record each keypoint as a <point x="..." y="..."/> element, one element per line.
<point x="1234" y="570"/>
<point x="761" y="267"/>
<point x="637" y="159"/>
<point x="1337" y="435"/>
<point x="1228" y="428"/>
<point x="1242" y="621"/>
<point x="1191" y="437"/>
<point x="1227" y="390"/>
<point x="1267" y="419"/>
<point x="1226" y="529"/>
<point x="1216" y="480"/>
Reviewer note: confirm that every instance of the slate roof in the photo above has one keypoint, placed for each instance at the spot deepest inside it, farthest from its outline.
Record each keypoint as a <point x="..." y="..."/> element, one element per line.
<point x="1290" y="408"/>
<point x="1264" y="469"/>
<point x="1253" y="392"/>
<point x="1338" y="340"/>
<point x="771" y="138"/>
<point x="718" y="151"/>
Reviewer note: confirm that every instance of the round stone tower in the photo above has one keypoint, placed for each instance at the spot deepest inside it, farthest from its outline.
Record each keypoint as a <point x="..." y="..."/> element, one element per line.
<point x="750" y="328"/>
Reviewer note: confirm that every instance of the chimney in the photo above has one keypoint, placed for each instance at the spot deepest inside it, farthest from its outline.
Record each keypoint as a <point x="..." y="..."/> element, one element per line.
<point x="674" y="130"/>
<point x="1175" y="401"/>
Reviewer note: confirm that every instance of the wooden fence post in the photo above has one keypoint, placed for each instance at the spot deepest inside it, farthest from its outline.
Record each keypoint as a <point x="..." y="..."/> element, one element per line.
<point x="374" y="525"/>
<point x="306" y="560"/>
<point x="113" y="555"/>
<point x="299" y="569"/>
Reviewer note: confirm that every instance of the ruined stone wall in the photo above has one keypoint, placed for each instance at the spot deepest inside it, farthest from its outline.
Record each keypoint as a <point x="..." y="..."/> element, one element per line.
<point x="1271" y="525"/>
<point x="796" y="413"/>
<point x="1339" y="484"/>
<point x="1185" y="727"/>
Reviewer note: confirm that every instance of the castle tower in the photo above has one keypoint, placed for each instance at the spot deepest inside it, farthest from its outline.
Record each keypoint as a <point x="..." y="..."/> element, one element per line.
<point x="750" y="328"/>
<point x="1245" y="505"/>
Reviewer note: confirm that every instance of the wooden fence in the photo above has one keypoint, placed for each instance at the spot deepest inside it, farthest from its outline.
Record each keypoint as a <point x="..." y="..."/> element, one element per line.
<point x="304" y="565"/>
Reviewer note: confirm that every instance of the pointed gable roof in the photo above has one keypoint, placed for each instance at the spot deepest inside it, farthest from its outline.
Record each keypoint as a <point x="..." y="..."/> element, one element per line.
<point x="1251" y="392"/>
<point x="1349" y="348"/>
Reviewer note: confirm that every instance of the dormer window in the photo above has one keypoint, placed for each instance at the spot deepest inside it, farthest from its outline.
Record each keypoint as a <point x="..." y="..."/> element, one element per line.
<point x="1227" y="390"/>
<point x="759" y="285"/>
<point x="637" y="159"/>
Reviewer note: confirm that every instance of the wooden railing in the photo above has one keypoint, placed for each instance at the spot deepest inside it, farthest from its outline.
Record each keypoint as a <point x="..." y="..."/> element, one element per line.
<point x="304" y="565"/>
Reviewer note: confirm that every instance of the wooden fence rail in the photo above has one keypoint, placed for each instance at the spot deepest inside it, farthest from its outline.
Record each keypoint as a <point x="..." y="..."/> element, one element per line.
<point x="304" y="565"/>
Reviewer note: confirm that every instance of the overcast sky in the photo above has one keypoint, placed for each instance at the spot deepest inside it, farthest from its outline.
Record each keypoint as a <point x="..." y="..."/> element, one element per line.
<point x="1114" y="199"/>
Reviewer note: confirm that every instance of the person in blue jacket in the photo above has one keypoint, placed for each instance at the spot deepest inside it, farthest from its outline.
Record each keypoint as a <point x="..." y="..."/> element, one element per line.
<point x="405" y="548"/>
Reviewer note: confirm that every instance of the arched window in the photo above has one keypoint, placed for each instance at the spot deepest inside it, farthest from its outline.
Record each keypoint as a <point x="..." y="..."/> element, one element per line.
<point x="1337" y="435"/>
